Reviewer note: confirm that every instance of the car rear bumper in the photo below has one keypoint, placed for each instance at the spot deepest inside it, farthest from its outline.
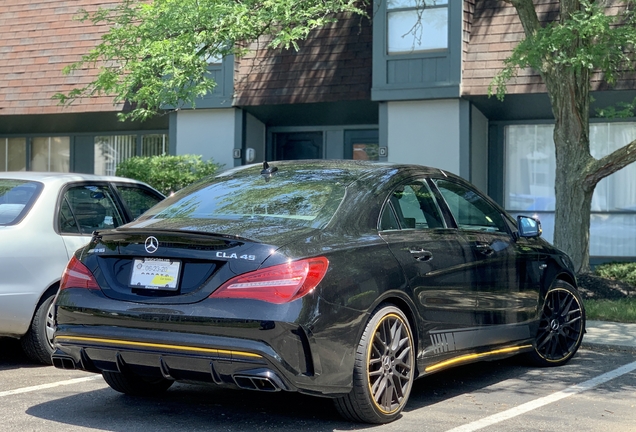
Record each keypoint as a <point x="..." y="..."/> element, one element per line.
<point x="250" y="365"/>
<point x="270" y="355"/>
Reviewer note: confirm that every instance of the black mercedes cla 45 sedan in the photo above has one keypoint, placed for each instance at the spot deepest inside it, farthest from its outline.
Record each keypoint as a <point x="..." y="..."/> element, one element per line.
<point x="341" y="279"/>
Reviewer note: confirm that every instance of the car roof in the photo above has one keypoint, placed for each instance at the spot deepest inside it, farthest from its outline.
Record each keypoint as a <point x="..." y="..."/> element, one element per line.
<point x="62" y="178"/>
<point x="362" y="167"/>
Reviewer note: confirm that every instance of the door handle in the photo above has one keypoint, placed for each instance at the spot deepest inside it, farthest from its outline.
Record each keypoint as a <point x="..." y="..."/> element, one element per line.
<point x="484" y="249"/>
<point x="421" y="255"/>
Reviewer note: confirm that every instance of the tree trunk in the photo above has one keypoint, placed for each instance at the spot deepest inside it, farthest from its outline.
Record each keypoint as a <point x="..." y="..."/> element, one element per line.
<point x="569" y="94"/>
<point x="577" y="172"/>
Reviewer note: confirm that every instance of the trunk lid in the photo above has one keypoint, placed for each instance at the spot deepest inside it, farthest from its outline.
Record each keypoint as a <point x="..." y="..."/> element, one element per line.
<point x="157" y="266"/>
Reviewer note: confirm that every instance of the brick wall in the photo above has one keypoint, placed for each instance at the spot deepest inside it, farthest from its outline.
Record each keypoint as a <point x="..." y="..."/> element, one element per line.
<point x="333" y="64"/>
<point x="37" y="39"/>
<point x="494" y="32"/>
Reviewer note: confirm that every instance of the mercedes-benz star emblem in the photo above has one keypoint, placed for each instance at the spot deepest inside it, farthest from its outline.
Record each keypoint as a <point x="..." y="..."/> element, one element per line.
<point x="152" y="244"/>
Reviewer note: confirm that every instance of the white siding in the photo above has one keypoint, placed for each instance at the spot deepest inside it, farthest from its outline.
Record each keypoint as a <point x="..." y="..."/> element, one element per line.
<point x="425" y="133"/>
<point x="209" y="133"/>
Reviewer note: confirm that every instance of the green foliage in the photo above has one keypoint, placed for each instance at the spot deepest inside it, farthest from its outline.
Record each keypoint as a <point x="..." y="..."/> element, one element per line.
<point x="167" y="173"/>
<point x="622" y="310"/>
<point x="623" y="271"/>
<point x="157" y="53"/>
<point x="586" y="40"/>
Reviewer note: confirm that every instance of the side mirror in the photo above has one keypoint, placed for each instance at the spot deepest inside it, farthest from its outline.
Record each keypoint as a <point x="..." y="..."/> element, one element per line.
<point x="528" y="227"/>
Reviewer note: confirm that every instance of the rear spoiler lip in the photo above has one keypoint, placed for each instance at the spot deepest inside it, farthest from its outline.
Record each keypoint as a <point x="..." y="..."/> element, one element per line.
<point x="100" y="234"/>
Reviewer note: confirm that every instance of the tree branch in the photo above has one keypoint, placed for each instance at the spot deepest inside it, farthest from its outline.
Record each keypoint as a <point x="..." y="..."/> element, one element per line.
<point x="610" y="164"/>
<point x="527" y="14"/>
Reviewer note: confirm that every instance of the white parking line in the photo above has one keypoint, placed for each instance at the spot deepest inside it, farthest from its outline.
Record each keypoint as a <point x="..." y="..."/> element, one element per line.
<point x="538" y="403"/>
<point x="47" y="386"/>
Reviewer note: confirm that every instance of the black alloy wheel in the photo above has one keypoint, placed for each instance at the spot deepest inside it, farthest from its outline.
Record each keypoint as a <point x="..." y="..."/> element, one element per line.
<point x="561" y="326"/>
<point x="384" y="369"/>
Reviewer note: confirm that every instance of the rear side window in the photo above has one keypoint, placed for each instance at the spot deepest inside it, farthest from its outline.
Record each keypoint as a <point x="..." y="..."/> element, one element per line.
<point x="137" y="199"/>
<point x="16" y="199"/>
<point x="411" y="206"/>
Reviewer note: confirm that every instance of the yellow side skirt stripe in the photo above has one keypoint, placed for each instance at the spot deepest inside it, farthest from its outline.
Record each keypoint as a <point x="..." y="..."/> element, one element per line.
<point x="63" y="339"/>
<point x="473" y="357"/>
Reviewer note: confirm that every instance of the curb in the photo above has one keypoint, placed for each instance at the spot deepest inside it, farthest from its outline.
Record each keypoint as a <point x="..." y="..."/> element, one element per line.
<point x="594" y="346"/>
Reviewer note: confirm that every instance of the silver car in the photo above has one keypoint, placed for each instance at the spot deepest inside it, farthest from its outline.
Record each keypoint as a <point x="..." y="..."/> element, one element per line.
<point x="44" y="219"/>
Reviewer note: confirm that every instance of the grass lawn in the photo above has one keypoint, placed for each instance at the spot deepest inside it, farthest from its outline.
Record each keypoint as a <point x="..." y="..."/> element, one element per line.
<point x="622" y="310"/>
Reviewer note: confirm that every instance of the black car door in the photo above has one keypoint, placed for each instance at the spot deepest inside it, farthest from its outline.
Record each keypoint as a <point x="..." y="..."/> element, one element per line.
<point x="436" y="262"/>
<point x="502" y="267"/>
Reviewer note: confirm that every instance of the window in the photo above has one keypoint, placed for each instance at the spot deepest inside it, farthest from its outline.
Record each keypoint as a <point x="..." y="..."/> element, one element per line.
<point x="113" y="149"/>
<point x="471" y="212"/>
<point x="154" y="145"/>
<point x="50" y="154"/>
<point x="293" y="197"/>
<point x="12" y="154"/>
<point x="16" y="199"/>
<point x="85" y="209"/>
<point x="362" y="144"/>
<point x="411" y="206"/>
<point x="417" y="25"/>
<point x="530" y="167"/>
<point x="298" y="145"/>
<point x="137" y="199"/>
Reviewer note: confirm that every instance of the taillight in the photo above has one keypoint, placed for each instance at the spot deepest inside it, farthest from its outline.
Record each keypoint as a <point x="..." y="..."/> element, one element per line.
<point x="277" y="284"/>
<point x="77" y="275"/>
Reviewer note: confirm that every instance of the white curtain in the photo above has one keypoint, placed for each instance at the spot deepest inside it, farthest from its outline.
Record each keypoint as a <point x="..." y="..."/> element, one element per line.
<point x="529" y="184"/>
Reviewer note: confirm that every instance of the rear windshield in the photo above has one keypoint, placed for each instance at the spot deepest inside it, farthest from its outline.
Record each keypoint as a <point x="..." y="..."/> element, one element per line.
<point x="16" y="199"/>
<point x="293" y="197"/>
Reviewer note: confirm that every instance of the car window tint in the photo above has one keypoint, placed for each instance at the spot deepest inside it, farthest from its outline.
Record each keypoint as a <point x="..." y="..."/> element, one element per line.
<point x="412" y="207"/>
<point x="16" y="198"/>
<point x="66" y="220"/>
<point x="85" y="209"/>
<point x="388" y="220"/>
<point x="293" y="197"/>
<point x="137" y="199"/>
<point x="471" y="212"/>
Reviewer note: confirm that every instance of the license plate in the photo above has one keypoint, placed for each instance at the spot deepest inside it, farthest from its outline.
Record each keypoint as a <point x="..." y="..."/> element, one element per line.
<point x="155" y="273"/>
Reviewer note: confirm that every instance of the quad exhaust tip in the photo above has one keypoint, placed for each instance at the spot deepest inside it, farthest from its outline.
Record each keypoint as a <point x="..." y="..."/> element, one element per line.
<point x="259" y="379"/>
<point x="63" y="362"/>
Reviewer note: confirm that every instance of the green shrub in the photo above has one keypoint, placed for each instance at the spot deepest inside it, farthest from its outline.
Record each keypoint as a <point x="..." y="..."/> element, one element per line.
<point x="620" y="310"/>
<point x="167" y="173"/>
<point x="623" y="271"/>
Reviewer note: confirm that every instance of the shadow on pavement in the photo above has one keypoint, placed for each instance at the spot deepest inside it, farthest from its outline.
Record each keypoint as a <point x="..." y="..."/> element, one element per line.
<point x="198" y="407"/>
<point x="12" y="356"/>
<point x="210" y="408"/>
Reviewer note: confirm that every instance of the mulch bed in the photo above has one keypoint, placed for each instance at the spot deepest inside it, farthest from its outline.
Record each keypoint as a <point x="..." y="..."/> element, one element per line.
<point x="595" y="287"/>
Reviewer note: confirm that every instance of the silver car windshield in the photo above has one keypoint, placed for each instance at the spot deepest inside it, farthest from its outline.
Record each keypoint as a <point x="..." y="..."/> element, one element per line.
<point x="16" y="199"/>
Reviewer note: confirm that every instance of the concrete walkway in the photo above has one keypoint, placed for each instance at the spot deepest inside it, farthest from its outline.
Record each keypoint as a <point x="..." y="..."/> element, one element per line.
<point x="610" y="335"/>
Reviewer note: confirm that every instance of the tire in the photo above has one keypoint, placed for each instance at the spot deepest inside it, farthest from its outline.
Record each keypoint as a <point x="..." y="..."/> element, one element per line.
<point x="384" y="369"/>
<point x="135" y="385"/>
<point x="561" y="326"/>
<point x="37" y="343"/>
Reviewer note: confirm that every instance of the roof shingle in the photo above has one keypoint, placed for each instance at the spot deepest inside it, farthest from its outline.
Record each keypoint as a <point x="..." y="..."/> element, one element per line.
<point x="37" y="39"/>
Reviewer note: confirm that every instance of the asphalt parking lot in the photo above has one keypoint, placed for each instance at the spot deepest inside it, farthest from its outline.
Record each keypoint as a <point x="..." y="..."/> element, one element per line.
<point x="595" y="391"/>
